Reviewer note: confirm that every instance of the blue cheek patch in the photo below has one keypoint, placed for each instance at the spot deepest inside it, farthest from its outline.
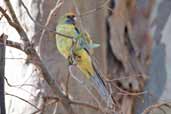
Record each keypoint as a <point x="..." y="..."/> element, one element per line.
<point x="69" y="21"/>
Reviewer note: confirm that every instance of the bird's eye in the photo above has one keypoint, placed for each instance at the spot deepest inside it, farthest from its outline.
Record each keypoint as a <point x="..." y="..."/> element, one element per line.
<point x="68" y="16"/>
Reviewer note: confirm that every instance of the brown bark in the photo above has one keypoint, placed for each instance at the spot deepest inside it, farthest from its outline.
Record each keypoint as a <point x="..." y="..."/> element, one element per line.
<point x="128" y="35"/>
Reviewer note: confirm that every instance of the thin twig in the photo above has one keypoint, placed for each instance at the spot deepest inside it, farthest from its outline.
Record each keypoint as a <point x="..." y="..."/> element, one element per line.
<point x="13" y="44"/>
<point x="18" y="86"/>
<point x="13" y="24"/>
<point x="35" y="112"/>
<point x="74" y="102"/>
<point x="73" y="76"/>
<point x="85" y="105"/>
<point x="123" y="92"/>
<point x="122" y="78"/>
<point x="55" y="109"/>
<point x="2" y="15"/>
<point x="154" y="106"/>
<point x="48" y="20"/>
<point x="13" y="58"/>
<point x="51" y="98"/>
<point x="132" y="94"/>
<point x="23" y="100"/>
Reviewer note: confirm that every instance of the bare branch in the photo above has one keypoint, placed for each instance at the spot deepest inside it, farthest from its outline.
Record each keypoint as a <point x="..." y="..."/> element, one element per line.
<point x="123" y="78"/>
<point x="55" y="110"/>
<point x="25" y="7"/>
<point x="10" y="85"/>
<point x="12" y="43"/>
<point x="23" y="100"/>
<point x="13" y="58"/>
<point x="74" y="103"/>
<point x="17" y="26"/>
<point x="8" y="18"/>
<point x="73" y="76"/>
<point x="155" y="106"/>
<point x="51" y="98"/>
<point x="35" y="112"/>
<point x="2" y="15"/>
<point x="123" y="92"/>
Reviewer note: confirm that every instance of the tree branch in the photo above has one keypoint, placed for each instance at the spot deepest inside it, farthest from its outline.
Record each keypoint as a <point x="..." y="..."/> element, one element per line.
<point x="17" y="26"/>
<point x="23" y="100"/>
<point x="124" y="92"/>
<point x="12" y="44"/>
<point x="75" y="103"/>
<point x="10" y="85"/>
<point x="13" y="24"/>
<point x="158" y="105"/>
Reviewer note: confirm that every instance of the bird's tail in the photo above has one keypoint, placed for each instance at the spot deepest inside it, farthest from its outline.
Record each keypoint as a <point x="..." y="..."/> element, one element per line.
<point x="98" y="82"/>
<point x="102" y="90"/>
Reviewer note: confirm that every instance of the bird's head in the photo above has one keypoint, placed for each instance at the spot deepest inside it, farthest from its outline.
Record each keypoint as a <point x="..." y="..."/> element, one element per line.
<point x="68" y="18"/>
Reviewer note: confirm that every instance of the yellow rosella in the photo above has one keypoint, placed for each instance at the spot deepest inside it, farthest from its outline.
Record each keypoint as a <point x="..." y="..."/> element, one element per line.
<point x="66" y="25"/>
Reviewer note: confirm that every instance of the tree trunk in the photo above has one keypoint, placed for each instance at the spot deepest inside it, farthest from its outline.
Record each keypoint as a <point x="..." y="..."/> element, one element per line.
<point x="2" y="74"/>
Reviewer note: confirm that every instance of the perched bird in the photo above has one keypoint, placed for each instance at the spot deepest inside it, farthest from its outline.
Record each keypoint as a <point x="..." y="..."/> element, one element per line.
<point x="80" y="50"/>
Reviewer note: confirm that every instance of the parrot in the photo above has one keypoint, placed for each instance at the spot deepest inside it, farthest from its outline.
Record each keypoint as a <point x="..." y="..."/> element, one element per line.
<point x="80" y="49"/>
